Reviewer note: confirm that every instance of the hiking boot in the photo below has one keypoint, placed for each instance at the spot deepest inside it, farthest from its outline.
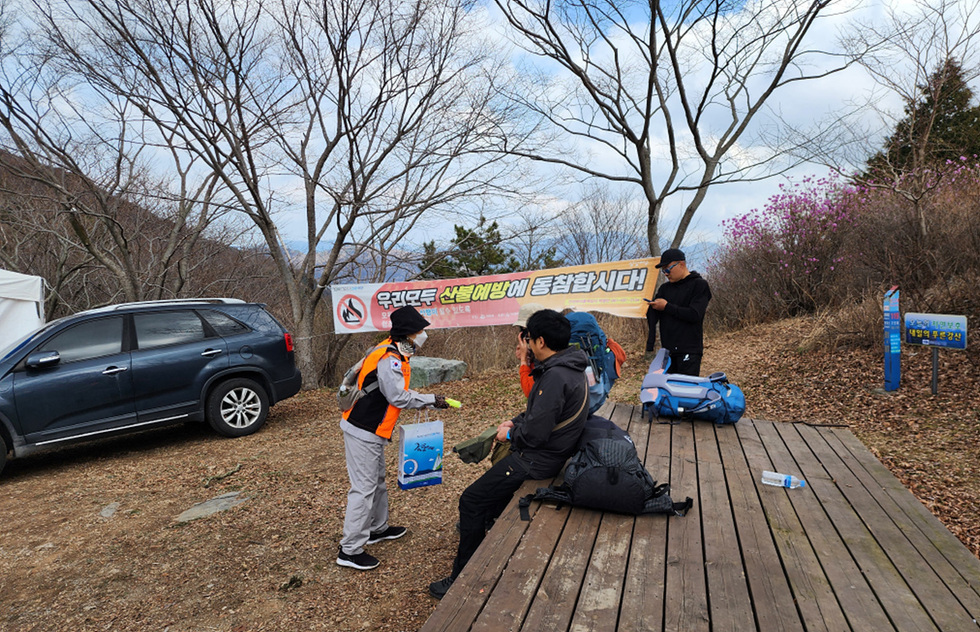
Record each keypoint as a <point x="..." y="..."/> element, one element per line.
<point x="440" y="588"/>
<point x="362" y="561"/>
<point x="391" y="533"/>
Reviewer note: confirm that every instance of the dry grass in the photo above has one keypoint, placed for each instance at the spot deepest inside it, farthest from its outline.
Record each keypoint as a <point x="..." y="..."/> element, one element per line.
<point x="269" y="564"/>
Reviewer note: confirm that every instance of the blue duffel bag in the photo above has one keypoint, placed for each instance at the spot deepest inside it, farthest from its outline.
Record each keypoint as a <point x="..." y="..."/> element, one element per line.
<point x="712" y="398"/>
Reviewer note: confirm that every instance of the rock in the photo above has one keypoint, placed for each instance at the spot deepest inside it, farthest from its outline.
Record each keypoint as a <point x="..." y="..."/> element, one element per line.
<point x="109" y="510"/>
<point x="428" y="371"/>
<point x="208" y="507"/>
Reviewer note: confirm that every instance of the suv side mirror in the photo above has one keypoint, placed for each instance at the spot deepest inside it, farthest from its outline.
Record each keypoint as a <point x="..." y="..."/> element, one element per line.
<point x="43" y="359"/>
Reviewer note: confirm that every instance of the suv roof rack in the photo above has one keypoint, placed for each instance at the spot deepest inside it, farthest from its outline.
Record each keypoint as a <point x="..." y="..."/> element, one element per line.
<point x="170" y="301"/>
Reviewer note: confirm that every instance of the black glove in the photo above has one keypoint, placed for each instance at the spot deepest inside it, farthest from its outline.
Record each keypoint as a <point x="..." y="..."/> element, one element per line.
<point x="440" y="402"/>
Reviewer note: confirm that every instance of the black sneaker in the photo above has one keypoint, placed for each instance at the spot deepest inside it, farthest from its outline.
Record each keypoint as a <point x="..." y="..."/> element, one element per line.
<point x="440" y="588"/>
<point x="362" y="561"/>
<point x="391" y="533"/>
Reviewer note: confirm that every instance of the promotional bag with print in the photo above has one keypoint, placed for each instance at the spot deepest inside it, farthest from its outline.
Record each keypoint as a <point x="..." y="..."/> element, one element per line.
<point x="420" y="453"/>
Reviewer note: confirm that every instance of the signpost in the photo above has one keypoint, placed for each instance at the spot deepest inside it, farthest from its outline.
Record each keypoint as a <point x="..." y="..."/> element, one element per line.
<point x="935" y="330"/>
<point x="893" y="340"/>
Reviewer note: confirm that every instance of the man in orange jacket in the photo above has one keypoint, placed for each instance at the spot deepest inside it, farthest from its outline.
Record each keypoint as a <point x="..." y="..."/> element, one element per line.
<point x="523" y="351"/>
<point x="367" y="430"/>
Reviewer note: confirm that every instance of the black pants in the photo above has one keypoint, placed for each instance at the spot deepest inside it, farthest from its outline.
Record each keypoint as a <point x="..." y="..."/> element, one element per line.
<point x="484" y="500"/>
<point x="685" y="363"/>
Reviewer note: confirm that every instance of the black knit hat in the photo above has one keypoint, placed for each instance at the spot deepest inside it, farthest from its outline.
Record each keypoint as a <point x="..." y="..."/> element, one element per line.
<point x="406" y="321"/>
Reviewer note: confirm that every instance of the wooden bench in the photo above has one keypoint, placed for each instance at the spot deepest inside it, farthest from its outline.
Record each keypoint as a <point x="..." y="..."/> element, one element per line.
<point x="853" y="550"/>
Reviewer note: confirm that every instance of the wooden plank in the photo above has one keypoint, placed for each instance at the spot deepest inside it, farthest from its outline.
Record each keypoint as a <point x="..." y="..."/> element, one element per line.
<point x="685" y="600"/>
<point x="598" y="604"/>
<point x="469" y="593"/>
<point x="643" y="590"/>
<point x="728" y="594"/>
<point x="599" y="600"/>
<point x="867" y="585"/>
<point x="962" y="569"/>
<point x="518" y="585"/>
<point x="768" y="585"/>
<point x="639" y="430"/>
<point x="918" y="588"/>
<point x="814" y="598"/>
<point x="557" y="596"/>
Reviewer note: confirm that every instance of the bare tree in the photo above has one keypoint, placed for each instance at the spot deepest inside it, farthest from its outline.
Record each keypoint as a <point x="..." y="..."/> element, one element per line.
<point x="77" y="169"/>
<point x="353" y="120"/>
<point x="602" y="227"/>
<point x="665" y="95"/>
<point x="531" y="235"/>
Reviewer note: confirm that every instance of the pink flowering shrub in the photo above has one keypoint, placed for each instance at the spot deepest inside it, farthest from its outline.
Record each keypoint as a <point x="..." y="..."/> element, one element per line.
<point x="825" y="245"/>
<point x="786" y="258"/>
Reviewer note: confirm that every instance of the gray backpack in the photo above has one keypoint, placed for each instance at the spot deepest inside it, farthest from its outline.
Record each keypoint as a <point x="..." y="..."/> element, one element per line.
<point x="348" y="394"/>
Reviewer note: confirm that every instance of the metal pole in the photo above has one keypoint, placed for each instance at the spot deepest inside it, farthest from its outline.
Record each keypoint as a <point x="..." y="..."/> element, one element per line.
<point x="935" y="370"/>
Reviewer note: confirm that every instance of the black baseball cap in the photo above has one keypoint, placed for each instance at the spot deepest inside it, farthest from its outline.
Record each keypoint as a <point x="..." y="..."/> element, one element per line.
<point x="669" y="256"/>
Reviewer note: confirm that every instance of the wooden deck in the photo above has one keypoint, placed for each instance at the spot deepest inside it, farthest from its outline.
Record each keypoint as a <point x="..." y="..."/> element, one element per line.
<point x="854" y="550"/>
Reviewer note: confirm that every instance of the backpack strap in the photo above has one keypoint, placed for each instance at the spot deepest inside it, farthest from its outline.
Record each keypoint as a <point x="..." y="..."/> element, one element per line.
<point x="577" y="412"/>
<point x="552" y="493"/>
<point x="560" y="494"/>
<point x="373" y="386"/>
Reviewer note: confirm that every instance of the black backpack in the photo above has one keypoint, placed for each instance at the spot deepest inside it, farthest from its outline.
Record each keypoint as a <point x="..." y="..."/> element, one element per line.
<point x="606" y="474"/>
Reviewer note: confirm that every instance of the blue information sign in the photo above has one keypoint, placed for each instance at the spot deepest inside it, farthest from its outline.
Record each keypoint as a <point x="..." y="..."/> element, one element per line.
<point x="935" y="330"/>
<point x="893" y="340"/>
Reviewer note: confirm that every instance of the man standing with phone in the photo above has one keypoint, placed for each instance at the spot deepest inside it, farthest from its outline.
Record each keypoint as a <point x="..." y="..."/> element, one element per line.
<point x="679" y="307"/>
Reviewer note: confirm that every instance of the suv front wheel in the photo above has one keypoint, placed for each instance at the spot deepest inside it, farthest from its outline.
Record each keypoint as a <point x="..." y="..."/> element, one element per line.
<point x="237" y="407"/>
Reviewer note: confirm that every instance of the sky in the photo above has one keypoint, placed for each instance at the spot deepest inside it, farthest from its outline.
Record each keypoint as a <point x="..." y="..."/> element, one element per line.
<point x="804" y="104"/>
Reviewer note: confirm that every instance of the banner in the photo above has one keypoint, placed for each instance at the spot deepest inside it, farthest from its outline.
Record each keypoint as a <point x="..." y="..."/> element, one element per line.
<point x="615" y="288"/>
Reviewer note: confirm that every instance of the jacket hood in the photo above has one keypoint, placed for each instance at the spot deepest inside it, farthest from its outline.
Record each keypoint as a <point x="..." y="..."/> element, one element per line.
<point x="690" y="277"/>
<point x="572" y="357"/>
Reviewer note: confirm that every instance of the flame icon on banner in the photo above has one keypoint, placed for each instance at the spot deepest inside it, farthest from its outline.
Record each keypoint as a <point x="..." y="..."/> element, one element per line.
<point x="350" y="313"/>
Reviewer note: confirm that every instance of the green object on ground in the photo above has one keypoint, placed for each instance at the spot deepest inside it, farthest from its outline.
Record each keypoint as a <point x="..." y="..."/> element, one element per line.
<point x="455" y="403"/>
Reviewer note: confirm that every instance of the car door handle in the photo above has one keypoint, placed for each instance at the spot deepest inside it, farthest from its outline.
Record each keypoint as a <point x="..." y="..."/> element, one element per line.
<point x="211" y="353"/>
<point x="112" y="370"/>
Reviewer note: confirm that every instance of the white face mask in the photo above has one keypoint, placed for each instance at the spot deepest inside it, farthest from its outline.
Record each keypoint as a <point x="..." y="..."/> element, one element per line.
<point x="421" y="338"/>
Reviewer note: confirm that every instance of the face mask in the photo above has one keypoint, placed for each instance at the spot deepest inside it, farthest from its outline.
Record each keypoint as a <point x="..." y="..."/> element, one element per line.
<point x="421" y="338"/>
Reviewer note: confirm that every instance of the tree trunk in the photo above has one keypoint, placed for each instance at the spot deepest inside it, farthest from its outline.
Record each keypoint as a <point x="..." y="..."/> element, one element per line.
<point x="305" y="357"/>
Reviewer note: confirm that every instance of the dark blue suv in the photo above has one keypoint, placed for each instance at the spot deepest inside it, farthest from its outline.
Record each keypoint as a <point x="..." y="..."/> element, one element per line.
<point x="139" y="365"/>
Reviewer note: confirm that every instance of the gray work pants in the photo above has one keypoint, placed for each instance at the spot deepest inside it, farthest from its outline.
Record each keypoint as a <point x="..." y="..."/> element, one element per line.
<point x="367" y="500"/>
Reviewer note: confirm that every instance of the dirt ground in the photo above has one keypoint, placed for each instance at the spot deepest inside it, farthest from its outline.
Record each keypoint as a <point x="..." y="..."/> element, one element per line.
<point x="268" y="564"/>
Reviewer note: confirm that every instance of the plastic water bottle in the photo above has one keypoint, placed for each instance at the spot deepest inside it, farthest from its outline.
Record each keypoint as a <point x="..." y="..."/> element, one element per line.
<point x="590" y="375"/>
<point x="782" y="480"/>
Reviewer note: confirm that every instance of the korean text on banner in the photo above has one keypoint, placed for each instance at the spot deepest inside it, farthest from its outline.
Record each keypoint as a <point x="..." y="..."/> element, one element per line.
<point x="615" y="288"/>
<point x="420" y="454"/>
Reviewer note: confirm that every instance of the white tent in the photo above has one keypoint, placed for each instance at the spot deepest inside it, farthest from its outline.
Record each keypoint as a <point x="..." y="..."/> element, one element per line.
<point x="21" y="305"/>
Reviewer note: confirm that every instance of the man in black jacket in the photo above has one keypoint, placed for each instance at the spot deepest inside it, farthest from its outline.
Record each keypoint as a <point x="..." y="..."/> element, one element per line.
<point x="541" y="438"/>
<point x="679" y="307"/>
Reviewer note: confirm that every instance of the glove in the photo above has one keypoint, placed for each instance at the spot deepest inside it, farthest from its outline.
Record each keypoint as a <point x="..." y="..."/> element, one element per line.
<point x="440" y="402"/>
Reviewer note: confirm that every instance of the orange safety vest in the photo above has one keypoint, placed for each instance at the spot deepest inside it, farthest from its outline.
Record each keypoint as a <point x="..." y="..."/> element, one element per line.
<point x="373" y="412"/>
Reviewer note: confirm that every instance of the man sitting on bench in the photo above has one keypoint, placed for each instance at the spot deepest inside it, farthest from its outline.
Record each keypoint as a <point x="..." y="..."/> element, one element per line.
<point x="541" y="438"/>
